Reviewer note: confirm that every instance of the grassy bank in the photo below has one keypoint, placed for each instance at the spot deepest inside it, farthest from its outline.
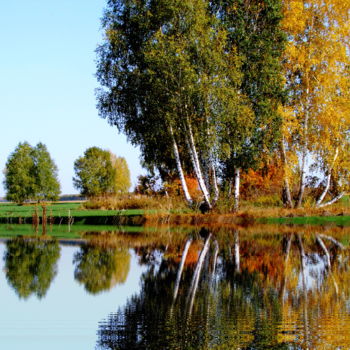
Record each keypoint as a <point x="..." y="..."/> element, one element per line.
<point x="77" y="214"/>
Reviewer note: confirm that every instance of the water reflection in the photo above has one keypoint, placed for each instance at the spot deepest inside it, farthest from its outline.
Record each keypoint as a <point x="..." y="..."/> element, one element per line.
<point x="100" y="266"/>
<point x="31" y="265"/>
<point x="242" y="292"/>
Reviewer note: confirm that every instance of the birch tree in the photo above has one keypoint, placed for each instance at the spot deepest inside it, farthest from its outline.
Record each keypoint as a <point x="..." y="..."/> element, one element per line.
<point x="170" y="82"/>
<point x="317" y="76"/>
<point x="255" y="31"/>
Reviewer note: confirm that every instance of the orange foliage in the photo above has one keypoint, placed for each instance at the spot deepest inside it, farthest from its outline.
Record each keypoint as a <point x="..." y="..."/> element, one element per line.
<point x="175" y="188"/>
<point x="265" y="181"/>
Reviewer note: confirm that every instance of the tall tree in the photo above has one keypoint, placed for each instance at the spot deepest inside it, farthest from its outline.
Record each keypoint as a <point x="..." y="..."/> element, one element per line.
<point x="254" y="28"/>
<point x="317" y="116"/>
<point x="170" y="82"/>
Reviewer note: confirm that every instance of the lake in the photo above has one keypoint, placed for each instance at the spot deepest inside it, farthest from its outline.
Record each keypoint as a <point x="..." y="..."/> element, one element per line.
<point x="257" y="287"/>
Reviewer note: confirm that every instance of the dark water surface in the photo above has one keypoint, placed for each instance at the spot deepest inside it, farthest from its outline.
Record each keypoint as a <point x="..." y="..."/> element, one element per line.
<point x="177" y="288"/>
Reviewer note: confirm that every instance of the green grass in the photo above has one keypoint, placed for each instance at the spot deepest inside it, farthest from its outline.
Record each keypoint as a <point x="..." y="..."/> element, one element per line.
<point x="309" y="220"/>
<point x="9" y="210"/>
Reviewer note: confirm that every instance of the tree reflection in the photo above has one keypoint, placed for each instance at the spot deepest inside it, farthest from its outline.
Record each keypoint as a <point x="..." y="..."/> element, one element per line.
<point x="240" y="294"/>
<point x="99" y="268"/>
<point x="31" y="265"/>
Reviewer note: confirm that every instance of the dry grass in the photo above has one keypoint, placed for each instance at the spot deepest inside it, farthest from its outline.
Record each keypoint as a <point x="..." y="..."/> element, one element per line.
<point x="161" y="203"/>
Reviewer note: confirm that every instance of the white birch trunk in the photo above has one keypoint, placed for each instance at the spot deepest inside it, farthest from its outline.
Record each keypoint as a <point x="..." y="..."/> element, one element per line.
<point x="302" y="178"/>
<point x="182" y="264"/>
<point x="197" y="168"/>
<point x="179" y="169"/>
<point x="328" y="181"/>
<point x="335" y="199"/>
<point x="288" y="198"/>
<point x="215" y="184"/>
<point x="237" y="172"/>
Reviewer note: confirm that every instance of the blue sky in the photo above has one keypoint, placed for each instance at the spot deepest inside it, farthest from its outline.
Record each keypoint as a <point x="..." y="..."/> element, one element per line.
<point x="47" y="83"/>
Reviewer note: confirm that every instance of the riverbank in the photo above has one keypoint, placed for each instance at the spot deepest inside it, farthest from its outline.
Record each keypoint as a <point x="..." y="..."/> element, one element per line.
<point x="74" y="213"/>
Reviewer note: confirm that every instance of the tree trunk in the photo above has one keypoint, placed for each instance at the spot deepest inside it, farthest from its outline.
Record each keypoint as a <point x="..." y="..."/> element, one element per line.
<point x="215" y="184"/>
<point x="287" y="198"/>
<point x="179" y="169"/>
<point x="237" y="173"/>
<point x="197" y="168"/>
<point x="328" y="181"/>
<point x="335" y="199"/>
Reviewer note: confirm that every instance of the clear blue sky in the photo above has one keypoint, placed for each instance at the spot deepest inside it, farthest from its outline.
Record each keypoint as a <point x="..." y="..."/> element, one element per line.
<point x="47" y="83"/>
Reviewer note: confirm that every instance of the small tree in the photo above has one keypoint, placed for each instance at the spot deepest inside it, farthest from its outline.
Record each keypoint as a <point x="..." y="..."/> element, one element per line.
<point x="45" y="174"/>
<point x="95" y="174"/>
<point x="31" y="174"/>
<point x="122" y="181"/>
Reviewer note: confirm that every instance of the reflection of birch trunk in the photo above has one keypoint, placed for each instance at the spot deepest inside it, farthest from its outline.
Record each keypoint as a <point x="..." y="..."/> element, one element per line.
<point x="179" y="169"/>
<point x="197" y="272"/>
<point x="303" y="268"/>
<point x="236" y="187"/>
<point x="328" y="257"/>
<point x="196" y="165"/>
<point x="182" y="264"/>
<point x="236" y="249"/>
<point x="328" y="180"/>
<point x="325" y="250"/>
<point x="286" y="259"/>
<point x="302" y="261"/>
<point x="333" y="240"/>
<point x="215" y="258"/>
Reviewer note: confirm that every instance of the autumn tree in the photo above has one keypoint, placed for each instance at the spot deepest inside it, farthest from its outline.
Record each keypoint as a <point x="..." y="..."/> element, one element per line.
<point x="122" y="180"/>
<point x="316" y="117"/>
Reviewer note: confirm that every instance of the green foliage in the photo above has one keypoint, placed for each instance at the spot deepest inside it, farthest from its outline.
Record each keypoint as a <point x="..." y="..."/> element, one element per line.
<point x="94" y="172"/>
<point x="19" y="180"/>
<point x="31" y="265"/>
<point x="31" y="174"/>
<point x="255" y="31"/>
<point x="47" y="186"/>
<point x="167" y="64"/>
<point x="100" y="268"/>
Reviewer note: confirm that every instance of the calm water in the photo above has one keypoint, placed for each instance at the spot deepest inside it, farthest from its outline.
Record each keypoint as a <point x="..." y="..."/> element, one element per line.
<point x="242" y="288"/>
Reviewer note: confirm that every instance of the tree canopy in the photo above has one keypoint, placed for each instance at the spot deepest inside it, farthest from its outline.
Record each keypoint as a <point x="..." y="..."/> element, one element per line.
<point x="31" y="174"/>
<point x="208" y="89"/>
<point x="99" y="172"/>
